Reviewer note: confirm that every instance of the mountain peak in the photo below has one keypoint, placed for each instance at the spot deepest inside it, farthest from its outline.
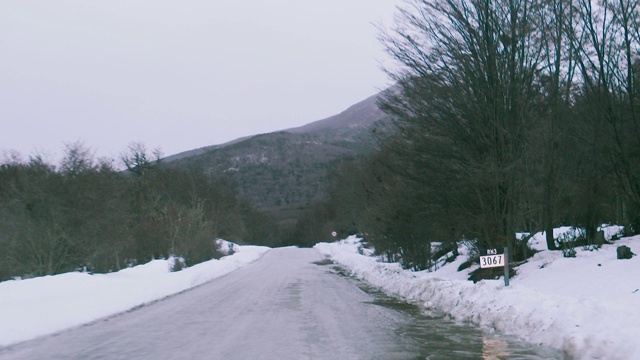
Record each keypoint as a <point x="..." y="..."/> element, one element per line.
<point x="346" y="125"/>
<point x="361" y="115"/>
<point x="284" y="172"/>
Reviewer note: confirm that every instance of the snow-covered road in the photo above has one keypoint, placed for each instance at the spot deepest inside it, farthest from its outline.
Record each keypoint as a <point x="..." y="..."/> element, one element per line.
<point x="286" y="305"/>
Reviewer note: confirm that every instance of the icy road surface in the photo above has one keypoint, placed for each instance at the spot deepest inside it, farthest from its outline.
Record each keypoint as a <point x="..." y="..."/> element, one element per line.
<point x="291" y="304"/>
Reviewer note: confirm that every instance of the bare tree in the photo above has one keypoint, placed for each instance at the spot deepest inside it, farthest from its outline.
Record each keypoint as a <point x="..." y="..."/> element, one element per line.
<point x="467" y="83"/>
<point x="556" y="78"/>
<point x="77" y="159"/>
<point x="606" y="42"/>
<point x="138" y="159"/>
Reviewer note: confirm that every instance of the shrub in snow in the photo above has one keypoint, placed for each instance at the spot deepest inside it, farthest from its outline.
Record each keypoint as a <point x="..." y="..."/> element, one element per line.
<point x="624" y="252"/>
<point x="177" y="263"/>
<point x="569" y="252"/>
<point x="521" y="250"/>
<point x="226" y="248"/>
<point x="569" y="240"/>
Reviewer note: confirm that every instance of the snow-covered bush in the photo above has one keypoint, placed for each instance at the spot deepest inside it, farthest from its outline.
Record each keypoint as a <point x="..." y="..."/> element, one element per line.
<point x="569" y="240"/>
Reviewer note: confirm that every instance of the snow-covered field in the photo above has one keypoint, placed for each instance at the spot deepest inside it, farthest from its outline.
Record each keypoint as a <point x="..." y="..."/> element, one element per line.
<point x="45" y="305"/>
<point x="587" y="306"/>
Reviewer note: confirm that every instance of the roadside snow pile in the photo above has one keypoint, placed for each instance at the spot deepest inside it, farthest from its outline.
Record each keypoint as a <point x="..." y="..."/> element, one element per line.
<point x="585" y="306"/>
<point x="227" y="247"/>
<point x="45" y="305"/>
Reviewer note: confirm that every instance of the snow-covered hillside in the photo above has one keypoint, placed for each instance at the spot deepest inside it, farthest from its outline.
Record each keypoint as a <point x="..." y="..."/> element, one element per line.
<point x="586" y="306"/>
<point x="45" y="305"/>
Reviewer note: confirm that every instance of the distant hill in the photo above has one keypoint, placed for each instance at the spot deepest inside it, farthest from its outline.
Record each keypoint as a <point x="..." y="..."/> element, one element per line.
<point x="348" y="123"/>
<point x="285" y="171"/>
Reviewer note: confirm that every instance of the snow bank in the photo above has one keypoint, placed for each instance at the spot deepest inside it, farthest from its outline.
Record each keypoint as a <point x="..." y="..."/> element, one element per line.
<point x="585" y="306"/>
<point x="45" y="305"/>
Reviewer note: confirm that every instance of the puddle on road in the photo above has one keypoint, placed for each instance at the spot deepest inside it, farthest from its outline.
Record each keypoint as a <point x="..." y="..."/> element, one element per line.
<point x="422" y="335"/>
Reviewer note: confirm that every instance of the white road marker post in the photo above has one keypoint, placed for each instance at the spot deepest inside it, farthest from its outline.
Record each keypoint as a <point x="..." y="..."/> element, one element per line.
<point x="491" y="258"/>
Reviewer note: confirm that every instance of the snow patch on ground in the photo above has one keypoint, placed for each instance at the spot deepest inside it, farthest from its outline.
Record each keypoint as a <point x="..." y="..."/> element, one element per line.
<point x="585" y="306"/>
<point x="45" y="305"/>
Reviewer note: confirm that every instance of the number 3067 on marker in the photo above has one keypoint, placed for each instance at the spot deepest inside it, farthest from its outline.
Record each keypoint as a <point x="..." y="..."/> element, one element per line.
<point x="490" y="261"/>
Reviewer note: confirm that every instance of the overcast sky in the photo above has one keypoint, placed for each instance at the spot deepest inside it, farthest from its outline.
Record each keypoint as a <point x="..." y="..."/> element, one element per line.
<point x="179" y="75"/>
